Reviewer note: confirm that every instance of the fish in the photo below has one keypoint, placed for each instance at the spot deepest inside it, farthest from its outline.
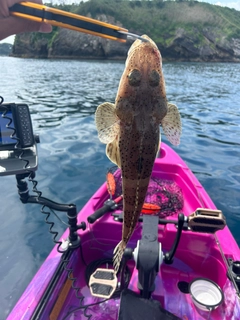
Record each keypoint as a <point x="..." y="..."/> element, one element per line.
<point x="131" y="129"/>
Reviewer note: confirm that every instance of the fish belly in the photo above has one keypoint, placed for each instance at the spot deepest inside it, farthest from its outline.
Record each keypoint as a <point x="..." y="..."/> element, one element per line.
<point x="137" y="152"/>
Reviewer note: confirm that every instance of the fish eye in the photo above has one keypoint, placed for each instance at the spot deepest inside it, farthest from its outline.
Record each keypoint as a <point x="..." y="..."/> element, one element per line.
<point x="134" y="78"/>
<point x="154" y="78"/>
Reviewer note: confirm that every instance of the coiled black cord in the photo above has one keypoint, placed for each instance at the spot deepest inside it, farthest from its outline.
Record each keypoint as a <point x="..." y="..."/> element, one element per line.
<point x="85" y="309"/>
<point x="64" y="259"/>
<point x="90" y="269"/>
<point x="47" y="213"/>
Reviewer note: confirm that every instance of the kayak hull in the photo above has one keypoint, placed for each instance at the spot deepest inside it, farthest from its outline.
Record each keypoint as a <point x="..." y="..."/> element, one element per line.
<point x="198" y="255"/>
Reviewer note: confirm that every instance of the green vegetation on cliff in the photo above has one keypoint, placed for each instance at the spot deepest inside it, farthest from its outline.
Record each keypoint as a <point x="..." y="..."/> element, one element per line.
<point x="182" y="29"/>
<point x="160" y="19"/>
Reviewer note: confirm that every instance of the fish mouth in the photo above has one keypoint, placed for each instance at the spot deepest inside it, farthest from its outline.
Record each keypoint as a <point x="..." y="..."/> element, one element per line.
<point x="135" y="36"/>
<point x="141" y="41"/>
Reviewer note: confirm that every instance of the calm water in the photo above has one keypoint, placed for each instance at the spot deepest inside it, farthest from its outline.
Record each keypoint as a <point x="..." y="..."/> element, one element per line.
<point x="63" y="96"/>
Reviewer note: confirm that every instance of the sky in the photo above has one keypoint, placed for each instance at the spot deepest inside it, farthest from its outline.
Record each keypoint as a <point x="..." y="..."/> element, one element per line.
<point x="225" y="3"/>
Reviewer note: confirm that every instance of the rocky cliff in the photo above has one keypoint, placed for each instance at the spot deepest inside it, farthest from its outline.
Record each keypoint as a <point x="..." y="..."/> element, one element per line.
<point x="5" y="49"/>
<point x="183" y="31"/>
<point x="187" y="47"/>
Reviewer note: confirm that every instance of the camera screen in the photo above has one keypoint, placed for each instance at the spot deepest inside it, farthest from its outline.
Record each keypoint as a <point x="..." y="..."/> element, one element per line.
<point x="5" y="133"/>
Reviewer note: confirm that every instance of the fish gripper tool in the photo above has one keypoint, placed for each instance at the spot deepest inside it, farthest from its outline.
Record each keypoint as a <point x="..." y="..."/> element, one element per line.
<point x="60" y="18"/>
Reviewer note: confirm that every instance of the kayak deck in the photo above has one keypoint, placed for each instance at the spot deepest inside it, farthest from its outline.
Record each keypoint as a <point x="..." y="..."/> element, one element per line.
<point x="197" y="255"/>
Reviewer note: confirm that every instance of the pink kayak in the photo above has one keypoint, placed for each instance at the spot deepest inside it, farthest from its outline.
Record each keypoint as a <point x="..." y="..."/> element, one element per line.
<point x="182" y="261"/>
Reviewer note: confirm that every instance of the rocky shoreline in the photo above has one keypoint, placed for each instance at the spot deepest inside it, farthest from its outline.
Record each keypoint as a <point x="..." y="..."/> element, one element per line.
<point x="195" y="39"/>
<point x="70" y="44"/>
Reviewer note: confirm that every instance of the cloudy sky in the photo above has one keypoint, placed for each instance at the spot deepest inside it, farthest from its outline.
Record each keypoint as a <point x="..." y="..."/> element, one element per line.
<point x="225" y="3"/>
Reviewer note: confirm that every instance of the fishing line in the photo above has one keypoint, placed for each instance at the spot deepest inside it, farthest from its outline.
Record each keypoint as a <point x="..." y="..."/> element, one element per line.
<point x="73" y="280"/>
<point x="94" y="239"/>
<point x="91" y="268"/>
<point x="56" y="215"/>
<point x="65" y="261"/>
<point x="82" y="256"/>
<point x="220" y="249"/>
<point x="47" y="213"/>
<point x="85" y="307"/>
<point x="199" y="195"/>
<point x="227" y="266"/>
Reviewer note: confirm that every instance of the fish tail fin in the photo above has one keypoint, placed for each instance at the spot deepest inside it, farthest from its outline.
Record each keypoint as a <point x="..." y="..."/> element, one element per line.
<point x="118" y="253"/>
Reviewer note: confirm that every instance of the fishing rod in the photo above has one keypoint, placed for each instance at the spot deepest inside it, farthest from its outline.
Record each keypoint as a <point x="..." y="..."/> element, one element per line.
<point x="55" y="17"/>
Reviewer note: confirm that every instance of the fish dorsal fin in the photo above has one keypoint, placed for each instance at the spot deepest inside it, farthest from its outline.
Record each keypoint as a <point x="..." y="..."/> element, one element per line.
<point x="107" y="122"/>
<point x="112" y="151"/>
<point x="171" y="125"/>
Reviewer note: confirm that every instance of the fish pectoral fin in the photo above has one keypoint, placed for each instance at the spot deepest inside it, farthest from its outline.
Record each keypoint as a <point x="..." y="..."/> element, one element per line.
<point x="171" y="125"/>
<point x="107" y="122"/>
<point x="112" y="151"/>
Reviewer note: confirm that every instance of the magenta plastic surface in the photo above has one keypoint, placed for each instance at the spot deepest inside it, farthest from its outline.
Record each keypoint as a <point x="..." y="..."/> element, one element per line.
<point x="198" y="255"/>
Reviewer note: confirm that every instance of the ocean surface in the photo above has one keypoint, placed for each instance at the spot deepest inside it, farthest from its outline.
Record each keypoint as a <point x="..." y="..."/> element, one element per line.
<point x="63" y="96"/>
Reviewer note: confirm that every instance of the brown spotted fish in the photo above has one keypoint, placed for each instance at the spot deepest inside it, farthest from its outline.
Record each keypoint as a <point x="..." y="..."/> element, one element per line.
<point x="130" y="128"/>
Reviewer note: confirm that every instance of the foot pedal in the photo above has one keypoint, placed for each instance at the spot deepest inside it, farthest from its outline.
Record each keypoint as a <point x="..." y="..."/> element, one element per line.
<point x="103" y="283"/>
<point x="206" y="220"/>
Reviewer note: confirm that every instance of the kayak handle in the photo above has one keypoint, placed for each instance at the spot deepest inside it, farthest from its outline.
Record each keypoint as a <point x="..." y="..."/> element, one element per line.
<point x="168" y="257"/>
<point x="109" y="205"/>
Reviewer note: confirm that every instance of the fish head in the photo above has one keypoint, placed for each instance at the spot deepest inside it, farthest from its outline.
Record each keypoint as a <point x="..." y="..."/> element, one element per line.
<point x="142" y="83"/>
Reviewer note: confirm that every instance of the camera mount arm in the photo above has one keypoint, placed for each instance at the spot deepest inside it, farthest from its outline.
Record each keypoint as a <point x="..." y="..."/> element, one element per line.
<point x="70" y="209"/>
